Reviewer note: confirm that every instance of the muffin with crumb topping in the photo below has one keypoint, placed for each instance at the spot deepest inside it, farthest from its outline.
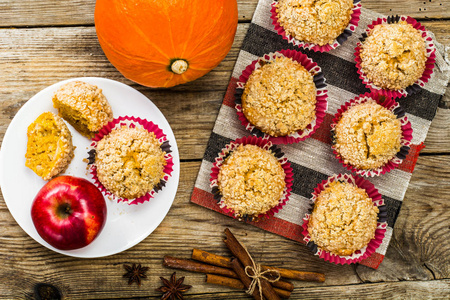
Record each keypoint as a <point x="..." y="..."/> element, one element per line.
<point x="344" y="219"/>
<point x="314" y="21"/>
<point x="367" y="135"/>
<point x="393" y="56"/>
<point x="49" y="146"/>
<point x="129" y="161"/>
<point x="84" y="106"/>
<point x="280" y="97"/>
<point x="251" y="181"/>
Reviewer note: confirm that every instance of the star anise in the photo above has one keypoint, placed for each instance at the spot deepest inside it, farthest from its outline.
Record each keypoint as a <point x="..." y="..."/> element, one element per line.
<point x="135" y="273"/>
<point x="173" y="289"/>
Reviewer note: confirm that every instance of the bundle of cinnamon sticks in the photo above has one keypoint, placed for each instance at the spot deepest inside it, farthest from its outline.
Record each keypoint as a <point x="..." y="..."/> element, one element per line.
<point x="232" y="272"/>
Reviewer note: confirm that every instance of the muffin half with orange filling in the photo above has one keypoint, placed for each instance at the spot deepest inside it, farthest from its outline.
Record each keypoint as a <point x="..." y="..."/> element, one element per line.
<point x="49" y="146"/>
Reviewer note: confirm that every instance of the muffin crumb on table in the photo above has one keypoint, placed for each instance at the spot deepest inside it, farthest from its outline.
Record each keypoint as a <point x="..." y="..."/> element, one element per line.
<point x="280" y="97"/>
<point x="129" y="161"/>
<point x="344" y="219"/>
<point x="314" y="21"/>
<point x="84" y="106"/>
<point x="251" y="180"/>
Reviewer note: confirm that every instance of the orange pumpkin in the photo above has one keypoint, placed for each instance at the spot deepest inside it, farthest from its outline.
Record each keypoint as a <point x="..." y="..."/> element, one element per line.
<point x="163" y="43"/>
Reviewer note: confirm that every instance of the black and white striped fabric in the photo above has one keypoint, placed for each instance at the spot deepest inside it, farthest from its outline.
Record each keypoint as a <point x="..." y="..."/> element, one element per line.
<point x="312" y="160"/>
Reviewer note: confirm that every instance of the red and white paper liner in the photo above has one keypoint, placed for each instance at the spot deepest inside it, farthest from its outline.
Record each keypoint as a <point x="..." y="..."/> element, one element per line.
<point x="348" y="31"/>
<point x="429" y="64"/>
<point x="264" y="144"/>
<point x="321" y="96"/>
<point x="380" y="231"/>
<point x="132" y="122"/>
<point x="405" y="140"/>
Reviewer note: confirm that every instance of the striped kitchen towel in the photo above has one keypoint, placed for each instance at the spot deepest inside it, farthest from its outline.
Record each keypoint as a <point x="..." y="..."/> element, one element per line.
<point x="312" y="160"/>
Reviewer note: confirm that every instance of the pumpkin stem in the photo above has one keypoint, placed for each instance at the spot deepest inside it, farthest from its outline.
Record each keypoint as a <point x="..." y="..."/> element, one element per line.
<point x="179" y="66"/>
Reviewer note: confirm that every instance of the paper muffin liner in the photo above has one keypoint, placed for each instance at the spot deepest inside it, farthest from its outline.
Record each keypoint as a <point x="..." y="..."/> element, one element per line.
<point x="348" y="31"/>
<point x="321" y="96"/>
<point x="405" y="140"/>
<point x="132" y="122"/>
<point x="429" y="64"/>
<point x="380" y="231"/>
<point x="264" y="144"/>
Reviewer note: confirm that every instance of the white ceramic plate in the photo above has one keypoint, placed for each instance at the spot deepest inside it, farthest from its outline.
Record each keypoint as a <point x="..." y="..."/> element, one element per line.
<point x="126" y="225"/>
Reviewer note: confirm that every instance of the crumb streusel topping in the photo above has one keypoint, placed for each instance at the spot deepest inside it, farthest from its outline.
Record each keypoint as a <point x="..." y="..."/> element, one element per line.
<point x="129" y="161"/>
<point x="393" y="56"/>
<point x="49" y="146"/>
<point x="314" y="21"/>
<point x="84" y="106"/>
<point x="368" y="135"/>
<point x="251" y="180"/>
<point x="344" y="219"/>
<point x="280" y="97"/>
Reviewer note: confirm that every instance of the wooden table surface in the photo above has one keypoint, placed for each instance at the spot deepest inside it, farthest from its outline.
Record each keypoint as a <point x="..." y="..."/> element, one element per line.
<point x="46" y="41"/>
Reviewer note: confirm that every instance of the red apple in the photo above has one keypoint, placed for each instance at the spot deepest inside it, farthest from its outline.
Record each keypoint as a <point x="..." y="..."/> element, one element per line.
<point x="69" y="212"/>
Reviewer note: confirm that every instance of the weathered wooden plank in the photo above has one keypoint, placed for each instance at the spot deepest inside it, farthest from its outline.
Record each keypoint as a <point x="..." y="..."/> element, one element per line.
<point x="436" y="289"/>
<point x="420" y="248"/>
<point x="419" y="239"/>
<point x="32" y="59"/>
<point x="35" y="58"/>
<point x="421" y="9"/>
<point x="438" y="138"/>
<point x="46" y="13"/>
<point x="442" y="32"/>
<point x="50" y="12"/>
<point x="40" y="13"/>
<point x="439" y="28"/>
<point x="26" y="263"/>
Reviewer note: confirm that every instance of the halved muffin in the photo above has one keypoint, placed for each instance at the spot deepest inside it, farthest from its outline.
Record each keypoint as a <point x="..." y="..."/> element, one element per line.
<point x="49" y="146"/>
<point x="84" y="106"/>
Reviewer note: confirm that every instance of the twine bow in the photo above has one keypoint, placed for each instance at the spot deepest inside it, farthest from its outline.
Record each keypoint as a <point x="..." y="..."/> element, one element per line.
<point x="257" y="275"/>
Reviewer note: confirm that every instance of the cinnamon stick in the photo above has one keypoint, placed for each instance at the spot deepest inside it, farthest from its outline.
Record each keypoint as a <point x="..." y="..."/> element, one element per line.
<point x="224" y="262"/>
<point x="225" y="281"/>
<point x="237" y="267"/>
<point x="237" y="284"/>
<point x="284" y="285"/>
<point x="211" y="258"/>
<point x="189" y="265"/>
<point x="297" y="275"/>
<point x="238" y="250"/>
<point x="282" y="293"/>
<point x="193" y="266"/>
